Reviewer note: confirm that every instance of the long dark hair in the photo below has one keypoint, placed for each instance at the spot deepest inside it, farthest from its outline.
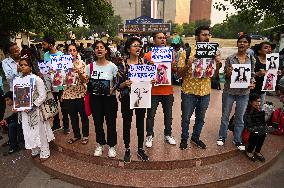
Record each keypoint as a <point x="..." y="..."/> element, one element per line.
<point x="106" y="47"/>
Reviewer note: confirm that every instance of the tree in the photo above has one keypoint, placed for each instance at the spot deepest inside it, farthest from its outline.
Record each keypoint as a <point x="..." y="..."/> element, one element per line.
<point x="253" y="11"/>
<point x="112" y="27"/>
<point x="188" y="29"/>
<point x="202" y="23"/>
<point x="52" y="16"/>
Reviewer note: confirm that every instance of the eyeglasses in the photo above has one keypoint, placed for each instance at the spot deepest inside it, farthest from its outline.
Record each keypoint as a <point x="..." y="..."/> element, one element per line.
<point x="205" y="34"/>
<point x="136" y="46"/>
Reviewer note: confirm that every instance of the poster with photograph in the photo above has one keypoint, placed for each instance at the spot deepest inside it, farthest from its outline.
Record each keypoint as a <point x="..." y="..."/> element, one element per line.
<point x="163" y="75"/>
<point x="22" y="93"/>
<point x="206" y="49"/>
<point x="57" y="78"/>
<point x="142" y="72"/>
<point x="272" y="61"/>
<point x="140" y="95"/>
<point x="241" y="75"/>
<point x="70" y="77"/>
<point x="209" y="67"/>
<point x="269" y="82"/>
<point x="197" y="68"/>
<point x="44" y="67"/>
<point x="99" y="86"/>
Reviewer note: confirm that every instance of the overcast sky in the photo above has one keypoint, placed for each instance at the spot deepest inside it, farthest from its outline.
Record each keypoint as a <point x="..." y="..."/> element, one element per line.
<point x="219" y="16"/>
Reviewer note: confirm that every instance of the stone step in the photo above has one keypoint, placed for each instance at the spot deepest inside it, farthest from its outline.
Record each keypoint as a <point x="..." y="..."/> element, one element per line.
<point x="222" y="174"/>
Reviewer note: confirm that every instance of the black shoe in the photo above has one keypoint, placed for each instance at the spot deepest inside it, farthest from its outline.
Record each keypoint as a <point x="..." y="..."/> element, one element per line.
<point x="250" y="156"/>
<point x="198" y="143"/>
<point x="183" y="144"/>
<point x="127" y="156"/>
<point x="142" y="156"/>
<point x="1" y="137"/>
<point x="259" y="157"/>
<point x="66" y="131"/>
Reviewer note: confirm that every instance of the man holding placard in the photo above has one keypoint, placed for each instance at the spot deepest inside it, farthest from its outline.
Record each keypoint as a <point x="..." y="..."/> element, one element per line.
<point x="48" y="45"/>
<point x="196" y="86"/>
<point x="163" y="92"/>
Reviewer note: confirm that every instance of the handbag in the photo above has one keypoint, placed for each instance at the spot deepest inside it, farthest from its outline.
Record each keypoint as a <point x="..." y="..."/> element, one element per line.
<point x="87" y="96"/>
<point x="49" y="108"/>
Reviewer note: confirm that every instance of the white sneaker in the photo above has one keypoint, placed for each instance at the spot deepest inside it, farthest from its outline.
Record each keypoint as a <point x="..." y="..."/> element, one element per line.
<point x="240" y="146"/>
<point x="112" y="152"/>
<point x="220" y="142"/>
<point x="170" y="140"/>
<point x="149" y="141"/>
<point x="99" y="150"/>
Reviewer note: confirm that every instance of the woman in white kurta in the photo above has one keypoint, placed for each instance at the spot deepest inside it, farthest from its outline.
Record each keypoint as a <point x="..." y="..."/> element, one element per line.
<point x="37" y="133"/>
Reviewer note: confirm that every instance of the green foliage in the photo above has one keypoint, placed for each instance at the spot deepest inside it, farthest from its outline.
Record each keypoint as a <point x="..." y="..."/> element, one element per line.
<point x="112" y="27"/>
<point x="81" y="32"/>
<point x="52" y="16"/>
<point x="253" y="11"/>
<point x="202" y="22"/>
<point x="179" y="29"/>
<point x="189" y="29"/>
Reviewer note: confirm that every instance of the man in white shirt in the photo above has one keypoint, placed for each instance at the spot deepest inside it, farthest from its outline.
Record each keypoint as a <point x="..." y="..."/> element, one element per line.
<point x="10" y="65"/>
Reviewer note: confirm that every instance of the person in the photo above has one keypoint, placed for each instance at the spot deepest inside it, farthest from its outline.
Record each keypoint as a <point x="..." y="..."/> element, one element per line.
<point x="73" y="98"/>
<point x="176" y="39"/>
<point x="195" y="95"/>
<point x="103" y="102"/>
<point x="10" y="64"/>
<point x="163" y="94"/>
<point x="260" y="69"/>
<point x="254" y="120"/>
<point x="215" y="80"/>
<point x="37" y="133"/>
<point x="240" y="95"/>
<point x="48" y="45"/>
<point x="89" y="53"/>
<point x="15" y="131"/>
<point x="133" y="48"/>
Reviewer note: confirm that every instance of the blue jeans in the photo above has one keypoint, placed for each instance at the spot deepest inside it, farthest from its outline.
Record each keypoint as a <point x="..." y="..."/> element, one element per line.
<point x="167" y="104"/>
<point x="190" y="103"/>
<point x="241" y="105"/>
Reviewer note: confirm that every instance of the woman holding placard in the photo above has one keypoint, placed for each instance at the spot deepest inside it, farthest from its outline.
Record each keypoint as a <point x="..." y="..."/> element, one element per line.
<point x="260" y="69"/>
<point x="37" y="132"/>
<point x="103" y="102"/>
<point x="239" y="79"/>
<point x="133" y="48"/>
<point x="73" y="98"/>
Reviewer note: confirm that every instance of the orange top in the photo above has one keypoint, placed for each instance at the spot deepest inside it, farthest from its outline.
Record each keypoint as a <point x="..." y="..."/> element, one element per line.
<point x="159" y="90"/>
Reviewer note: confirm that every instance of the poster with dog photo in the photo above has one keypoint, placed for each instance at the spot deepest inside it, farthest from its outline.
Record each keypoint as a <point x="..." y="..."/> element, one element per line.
<point x="269" y="82"/>
<point x="241" y="75"/>
<point x="272" y="62"/>
<point x="163" y="76"/>
<point x="140" y="95"/>
<point x="22" y="93"/>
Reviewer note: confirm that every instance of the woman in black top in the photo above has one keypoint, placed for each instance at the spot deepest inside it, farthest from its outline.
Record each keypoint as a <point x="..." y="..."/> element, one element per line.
<point x="260" y="69"/>
<point x="133" y="47"/>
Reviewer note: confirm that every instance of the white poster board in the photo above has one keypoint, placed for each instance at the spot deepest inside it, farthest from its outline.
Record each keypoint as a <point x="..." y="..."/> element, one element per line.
<point x="142" y="72"/>
<point x="140" y="95"/>
<point x="44" y="67"/>
<point x="241" y="75"/>
<point x="272" y="62"/>
<point x="22" y="93"/>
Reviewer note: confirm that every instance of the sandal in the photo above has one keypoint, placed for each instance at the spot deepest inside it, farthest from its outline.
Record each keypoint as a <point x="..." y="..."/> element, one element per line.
<point x="73" y="140"/>
<point x="85" y="140"/>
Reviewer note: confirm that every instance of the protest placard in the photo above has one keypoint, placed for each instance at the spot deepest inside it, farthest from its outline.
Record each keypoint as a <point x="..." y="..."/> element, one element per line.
<point x="206" y="49"/>
<point x="161" y="54"/>
<point x="269" y="82"/>
<point x="241" y="75"/>
<point x="142" y="72"/>
<point x="22" y="93"/>
<point x="44" y="67"/>
<point x="140" y="95"/>
<point x="61" y="62"/>
<point x="272" y="61"/>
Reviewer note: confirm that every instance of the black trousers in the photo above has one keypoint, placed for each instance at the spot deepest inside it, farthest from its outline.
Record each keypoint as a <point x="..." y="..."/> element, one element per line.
<point x="75" y="106"/>
<point x="65" y="119"/>
<point x="127" y="114"/>
<point x="104" y="107"/>
<point x="255" y="142"/>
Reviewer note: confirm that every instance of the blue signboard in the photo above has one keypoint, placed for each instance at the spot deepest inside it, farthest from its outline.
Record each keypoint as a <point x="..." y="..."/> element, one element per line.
<point x="144" y="20"/>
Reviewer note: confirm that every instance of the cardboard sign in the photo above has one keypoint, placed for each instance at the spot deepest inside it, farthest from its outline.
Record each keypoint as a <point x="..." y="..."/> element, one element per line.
<point x="162" y="54"/>
<point x="241" y="75"/>
<point x="142" y="72"/>
<point x="140" y="96"/>
<point x="206" y="49"/>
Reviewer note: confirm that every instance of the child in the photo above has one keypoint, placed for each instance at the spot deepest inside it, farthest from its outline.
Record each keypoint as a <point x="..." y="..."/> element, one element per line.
<point x="254" y="120"/>
<point x="15" y="131"/>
